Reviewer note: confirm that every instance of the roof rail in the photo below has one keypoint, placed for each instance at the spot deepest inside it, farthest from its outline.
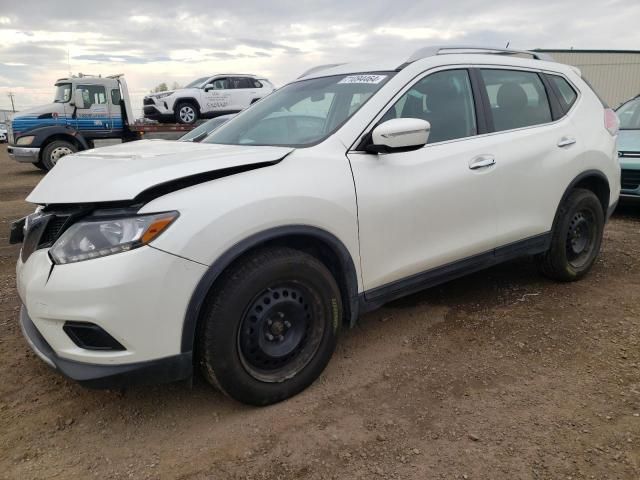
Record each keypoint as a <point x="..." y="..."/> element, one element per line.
<point x="442" y="50"/>
<point x="319" y="68"/>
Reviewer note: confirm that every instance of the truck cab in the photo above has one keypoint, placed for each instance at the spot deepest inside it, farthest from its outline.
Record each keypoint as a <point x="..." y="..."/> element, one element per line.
<point x="84" y="108"/>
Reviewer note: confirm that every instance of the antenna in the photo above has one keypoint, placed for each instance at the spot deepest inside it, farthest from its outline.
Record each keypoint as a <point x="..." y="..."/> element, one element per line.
<point x="507" y="46"/>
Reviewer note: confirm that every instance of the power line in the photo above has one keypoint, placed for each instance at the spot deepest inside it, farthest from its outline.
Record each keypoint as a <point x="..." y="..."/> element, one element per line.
<point x="13" y="107"/>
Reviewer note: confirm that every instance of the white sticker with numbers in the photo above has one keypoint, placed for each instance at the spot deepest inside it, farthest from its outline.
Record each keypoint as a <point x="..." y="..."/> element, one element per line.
<point x="374" y="79"/>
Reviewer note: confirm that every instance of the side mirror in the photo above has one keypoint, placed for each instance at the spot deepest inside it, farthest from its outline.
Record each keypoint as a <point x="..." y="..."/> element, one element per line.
<point x="78" y="100"/>
<point x="208" y="87"/>
<point x="398" y="135"/>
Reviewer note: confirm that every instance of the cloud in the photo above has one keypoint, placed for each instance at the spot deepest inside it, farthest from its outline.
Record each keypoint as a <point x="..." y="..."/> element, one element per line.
<point x="154" y="41"/>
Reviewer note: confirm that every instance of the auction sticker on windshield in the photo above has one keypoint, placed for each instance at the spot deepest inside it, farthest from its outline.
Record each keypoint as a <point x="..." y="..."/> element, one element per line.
<point x="363" y="79"/>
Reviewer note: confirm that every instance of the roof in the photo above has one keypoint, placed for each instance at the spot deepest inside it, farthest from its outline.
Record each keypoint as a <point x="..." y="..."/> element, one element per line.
<point x="573" y="50"/>
<point x="433" y="56"/>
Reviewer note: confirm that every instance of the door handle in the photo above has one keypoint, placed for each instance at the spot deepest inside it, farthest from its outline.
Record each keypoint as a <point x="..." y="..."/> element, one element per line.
<point x="482" y="161"/>
<point x="566" y="141"/>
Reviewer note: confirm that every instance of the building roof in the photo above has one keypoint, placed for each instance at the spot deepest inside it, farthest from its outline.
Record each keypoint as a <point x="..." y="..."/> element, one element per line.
<point x="575" y="50"/>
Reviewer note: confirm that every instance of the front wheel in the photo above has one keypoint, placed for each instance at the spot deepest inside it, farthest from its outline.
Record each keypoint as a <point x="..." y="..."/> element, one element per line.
<point x="576" y="237"/>
<point x="186" y="113"/>
<point x="54" y="152"/>
<point x="270" y="326"/>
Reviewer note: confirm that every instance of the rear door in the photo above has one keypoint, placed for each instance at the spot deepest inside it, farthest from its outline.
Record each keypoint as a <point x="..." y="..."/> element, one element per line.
<point x="534" y="143"/>
<point x="244" y="92"/>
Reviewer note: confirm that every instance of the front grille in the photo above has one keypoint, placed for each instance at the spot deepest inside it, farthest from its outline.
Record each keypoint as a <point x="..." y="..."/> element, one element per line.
<point x="148" y="101"/>
<point x="43" y="228"/>
<point x="53" y="230"/>
<point x="630" y="179"/>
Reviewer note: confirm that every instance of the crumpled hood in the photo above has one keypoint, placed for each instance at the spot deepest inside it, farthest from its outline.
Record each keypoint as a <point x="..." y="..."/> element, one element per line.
<point x="629" y="141"/>
<point x="122" y="172"/>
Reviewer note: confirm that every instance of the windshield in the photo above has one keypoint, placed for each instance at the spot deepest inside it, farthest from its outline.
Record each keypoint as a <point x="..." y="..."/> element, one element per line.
<point x="302" y="113"/>
<point x="197" y="83"/>
<point x="629" y="115"/>
<point x="63" y="93"/>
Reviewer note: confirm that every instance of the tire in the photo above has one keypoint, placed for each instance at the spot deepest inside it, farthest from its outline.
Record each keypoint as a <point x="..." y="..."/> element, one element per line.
<point x="576" y="237"/>
<point x="186" y="112"/>
<point x="40" y="165"/>
<point x="54" y="151"/>
<point x="269" y="326"/>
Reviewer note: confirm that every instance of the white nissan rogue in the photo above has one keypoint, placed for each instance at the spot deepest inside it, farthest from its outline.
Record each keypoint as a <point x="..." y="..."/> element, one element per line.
<point x="355" y="184"/>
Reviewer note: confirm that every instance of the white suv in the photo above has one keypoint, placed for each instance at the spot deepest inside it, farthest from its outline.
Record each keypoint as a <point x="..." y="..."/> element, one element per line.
<point x="206" y="97"/>
<point x="349" y="187"/>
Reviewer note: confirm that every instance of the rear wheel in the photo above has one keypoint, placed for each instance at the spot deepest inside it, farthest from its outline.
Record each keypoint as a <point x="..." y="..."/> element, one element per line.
<point x="576" y="238"/>
<point x="270" y="326"/>
<point x="186" y="112"/>
<point x="54" y="151"/>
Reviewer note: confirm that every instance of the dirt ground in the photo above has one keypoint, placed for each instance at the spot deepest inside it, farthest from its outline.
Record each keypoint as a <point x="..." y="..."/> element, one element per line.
<point x="500" y="375"/>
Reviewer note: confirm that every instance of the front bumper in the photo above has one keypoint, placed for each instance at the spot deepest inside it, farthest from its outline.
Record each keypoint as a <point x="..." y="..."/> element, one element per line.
<point x="24" y="154"/>
<point x="139" y="298"/>
<point x="164" y="370"/>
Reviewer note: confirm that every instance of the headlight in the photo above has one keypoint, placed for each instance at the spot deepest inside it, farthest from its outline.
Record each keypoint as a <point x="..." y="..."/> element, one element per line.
<point x="28" y="140"/>
<point x="98" y="238"/>
<point x="162" y="95"/>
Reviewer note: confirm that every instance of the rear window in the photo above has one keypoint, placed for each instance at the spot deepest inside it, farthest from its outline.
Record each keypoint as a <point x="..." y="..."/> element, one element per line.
<point x="629" y="115"/>
<point x="568" y="95"/>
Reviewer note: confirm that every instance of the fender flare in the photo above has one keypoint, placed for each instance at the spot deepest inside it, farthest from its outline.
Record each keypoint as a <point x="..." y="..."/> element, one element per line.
<point x="193" y="100"/>
<point x="579" y="178"/>
<point x="199" y="295"/>
<point x="43" y="134"/>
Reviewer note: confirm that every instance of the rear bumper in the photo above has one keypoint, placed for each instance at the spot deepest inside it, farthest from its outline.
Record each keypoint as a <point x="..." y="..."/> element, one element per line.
<point x="164" y="370"/>
<point x="24" y="154"/>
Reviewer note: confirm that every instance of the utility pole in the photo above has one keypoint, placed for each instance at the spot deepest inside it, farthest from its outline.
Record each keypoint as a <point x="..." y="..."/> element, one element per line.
<point x="13" y="107"/>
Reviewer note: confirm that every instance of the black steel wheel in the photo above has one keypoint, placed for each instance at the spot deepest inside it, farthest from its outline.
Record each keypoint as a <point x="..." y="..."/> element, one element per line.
<point x="270" y="326"/>
<point x="576" y="237"/>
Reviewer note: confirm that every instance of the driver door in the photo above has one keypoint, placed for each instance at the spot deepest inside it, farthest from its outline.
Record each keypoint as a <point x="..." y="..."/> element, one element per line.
<point x="428" y="212"/>
<point x="218" y="95"/>
<point x="93" y="119"/>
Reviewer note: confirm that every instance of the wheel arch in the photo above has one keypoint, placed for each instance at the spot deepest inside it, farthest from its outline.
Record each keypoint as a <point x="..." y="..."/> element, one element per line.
<point x="191" y="100"/>
<point x="594" y="180"/>
<point x="315" y="241"/>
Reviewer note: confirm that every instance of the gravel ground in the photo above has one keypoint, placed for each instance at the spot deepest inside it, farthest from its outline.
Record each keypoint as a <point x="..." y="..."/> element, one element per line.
<point x="500" y="375"/>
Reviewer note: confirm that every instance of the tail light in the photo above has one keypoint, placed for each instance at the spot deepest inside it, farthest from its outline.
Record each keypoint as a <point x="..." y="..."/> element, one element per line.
<point x="611" y="121"/>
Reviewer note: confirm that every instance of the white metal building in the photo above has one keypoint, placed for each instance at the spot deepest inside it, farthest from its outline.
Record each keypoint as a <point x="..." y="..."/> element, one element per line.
<point x="614" y="74"/>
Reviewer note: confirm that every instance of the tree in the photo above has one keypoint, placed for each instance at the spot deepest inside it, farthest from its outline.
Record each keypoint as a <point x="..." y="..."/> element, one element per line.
<point x="160" y="88"/>
<point x="175" y="86"/>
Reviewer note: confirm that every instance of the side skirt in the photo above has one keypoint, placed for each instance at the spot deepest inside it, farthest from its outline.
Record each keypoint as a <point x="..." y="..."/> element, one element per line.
<point x="376" y="297"/>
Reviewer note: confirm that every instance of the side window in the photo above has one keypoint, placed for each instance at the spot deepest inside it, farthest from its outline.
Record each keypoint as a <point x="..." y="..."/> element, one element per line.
<point x="93" y="95"/>
<point x="115" y="96"/>
<point x="518" y="99"/>
<point x="445" y="100"/>
<point x="241" y="82"/>
<point x="567" y="94"/>
<point x="221" y="84"/>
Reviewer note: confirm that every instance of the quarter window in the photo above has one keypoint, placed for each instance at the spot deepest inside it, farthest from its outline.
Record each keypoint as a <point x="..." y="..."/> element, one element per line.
<point x="445" y="100"/>
<point x="567" y="94"/>
<point x="518" y="99"/>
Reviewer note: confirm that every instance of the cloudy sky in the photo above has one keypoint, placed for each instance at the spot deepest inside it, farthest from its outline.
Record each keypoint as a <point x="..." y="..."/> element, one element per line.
<point x="153" y="41"/>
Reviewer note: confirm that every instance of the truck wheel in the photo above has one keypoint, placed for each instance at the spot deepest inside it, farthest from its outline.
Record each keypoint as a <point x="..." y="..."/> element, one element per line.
<point x="55" y="151"/>
<point x="186" y="112"/>
<point x="270" y="326"/>
<point x="576" y="238"/>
